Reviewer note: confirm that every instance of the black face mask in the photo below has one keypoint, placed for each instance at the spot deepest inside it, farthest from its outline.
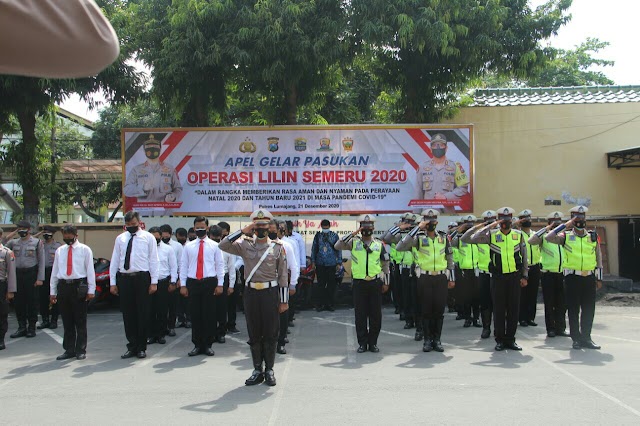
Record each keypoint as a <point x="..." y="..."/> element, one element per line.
<point x="23" y="233"/>
<point x="526" y="224"/>
<point x="48" y="236"/>
<point x="580" y="224"/>
<point x="261" y="232"/>
<point x="431" y="227"/>
<point x="191" y="238"/>
<point x="152" y="153"/>
<point x="166" y="240"/>
<point x="273" y="235"/>
<point x="69" y="241"/>
<point x="200" y="233"/>
<point x="439" y="152"/>
<point x="216" y="239"/>
<point x="132" y="229"/>
<point x="367" y="232"/>
<point x="158" y="241"/>
<point x="505" y="224"/>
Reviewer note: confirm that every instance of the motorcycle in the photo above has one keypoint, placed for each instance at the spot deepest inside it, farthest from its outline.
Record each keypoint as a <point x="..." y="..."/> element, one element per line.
<point x="102" y="295"/>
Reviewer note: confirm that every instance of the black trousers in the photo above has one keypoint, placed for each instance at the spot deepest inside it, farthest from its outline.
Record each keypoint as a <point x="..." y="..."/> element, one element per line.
<point x="432" y="294"/>
<point x="73" y="310"/>
<point x="182" y="309"/>
<point x="4" y="310"/>
<point x="486" y="302"/>
<point x="284" y="326"/>
<point x="202" y="305"/>
<point x="26" y="299"/>
<point x="409" y="295"/>
<point x="529" y="295"/>
<point x="134" y="304"/>
<point x="46" y="309"/>
<point x="326" y="276"/>
<point x="469" y="293"/>
<point x="222" y="303"/>
<point x="506" y="304"/>
<point x="172" y="301"/>
<point x="367" y="301"/>
<point x="232" y="305"/>
<point x="581" y="305"/>
<point x="554" y="305"/>
<point x="396" y="288"/>
<point x="263" y="323"/>
<point x="159" y="309"/>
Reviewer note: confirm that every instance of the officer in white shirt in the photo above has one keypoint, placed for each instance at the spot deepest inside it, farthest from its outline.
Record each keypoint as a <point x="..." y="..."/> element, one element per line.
<point x="73" y="284"/>
<point x="134" y="276"/>
<point x="234" y="297"/>
<point x="174" y="296"/>
<point x="301" y="251"/>
<point x="201" y="272"/>
<point x="216" y="234"/>
<point x="167" y="277"/>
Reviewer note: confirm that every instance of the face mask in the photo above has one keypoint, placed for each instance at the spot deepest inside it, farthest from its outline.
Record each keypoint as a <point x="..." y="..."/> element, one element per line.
<point x="580" y="224"/>
<point x="262" y="232"/>
<point x="191" y="238"/>
<point x="273" y="235"/>
<point x="439" y="152"/>
<point x="132" y="229"/>
<point x="431" y="227"/>
<point x="69" y="241"/>
<point x="48" y="236"/>
<point x="166" y="240"/>
<point x="367" y="232"/>
<point x="200" y="233"/>
<point x="325" y="230"/>
<point x="506" y="224"/>
<point x="216" y="239"/>
<point x="152" y="153"/>
<point x="158" y="241"/>
<point x="526" y="224"/>
<point x="23" y="233"/>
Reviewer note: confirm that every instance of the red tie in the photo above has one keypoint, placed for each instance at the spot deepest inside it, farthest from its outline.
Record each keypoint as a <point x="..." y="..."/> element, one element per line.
<point x="70" y="261"/>
<point x="200" y="267"/>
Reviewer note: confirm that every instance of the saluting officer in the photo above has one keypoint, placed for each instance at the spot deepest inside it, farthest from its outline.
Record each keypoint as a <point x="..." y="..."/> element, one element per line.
<point x="529" y="294"/>
<point x="8" y="287"/>
<point x="266" y="294"/>
<point x="469" y="291"/>
<point x="48" y="312"/>
<point x="435" y="274"/>
<point x="582" y="274"/>
<point x="370" y="272"/>
<point x="29" y="255"/>
<point x="508" y="269"/>
<point x="452" y="230"/>
<point x="553" y="258"/>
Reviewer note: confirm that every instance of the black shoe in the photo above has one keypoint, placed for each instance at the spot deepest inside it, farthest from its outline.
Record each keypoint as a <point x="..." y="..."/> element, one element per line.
<point x="256" y="378"/>
<point x="562" y="334"/>
<point x="459" y="317"/>
<point x="161" y="340"/>
<point x="269" y="378"/>
<point x="532" y="323"/>
<point x="362" y="348"/>
<point x="427" y="346"/>
<point x="320" y="309"/>
<point x="437" y="346"/>
<point x="408" y="325"/>
<point x="221" y="339"/>
<point x="195" y="351"/>
<point x="53" y="325"/>
<point x="588" y="344"/>
<point x="151" y="340"/>
<point x="141" y="354"/>
<point x="477" y="324"/>
<point x="66" y="355"/>
<point x="418" y="336"/>
<point x="208" y="352"/>
<point x="499" y="347"/>
<point x="576" y="345"/>
<point x="291" y="324"/>
<point x="486" y="332"/>
<point x="80" y="357"/>
<point x="551" y="333"/>
<point x="281" y="350"/>
<point x="233" y="330"/>
<point x="44" y="324"/>
<point x="181" y="325"/>
<point x="171" y="333"/>
<point x="374" y="348"/>
<point x="329" y="308"/>
<point x="524" y="324"/>
<point x="31" y="333"/>
<point x="20" y="333"/>
<point x="513" y="346"/>
<point x="286" y="340"/>
<point x="397" y="311"/>
<point x="2" y="345"/>
<point x="467" y="323"/>
<point x="128" y="354"/>
<point x="187" y="324"/>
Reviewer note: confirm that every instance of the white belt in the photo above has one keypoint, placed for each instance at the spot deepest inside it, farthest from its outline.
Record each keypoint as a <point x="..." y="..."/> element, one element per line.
<point x="577" y="272"/>
<point x="263" y="285"/>
<point x="420" y="271"/>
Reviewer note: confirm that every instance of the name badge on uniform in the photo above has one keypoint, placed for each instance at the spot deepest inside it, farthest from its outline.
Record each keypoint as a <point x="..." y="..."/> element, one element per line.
<point x="441" y="239"/>
<point x="359" y="245"/>
<point x="572" y="237"/>
<point x="515" y="237"/>
<point x="498" y="238"/>
<point x="425" y="242"/>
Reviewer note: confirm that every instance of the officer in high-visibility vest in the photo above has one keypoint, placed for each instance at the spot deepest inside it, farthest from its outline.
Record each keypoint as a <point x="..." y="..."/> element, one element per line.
<point x="509" y="271"/>
<point x="469" y="290"/>
<point x="435" y="274"/>
<point x="553" y="257"/>
<point x="484" y="277"/>
<point x="529" y="294"/>
<point x="452" y="230"/>
<point x="370" y="272"/>
<point x="582" y="274"/>
<point x="405" y="263"/>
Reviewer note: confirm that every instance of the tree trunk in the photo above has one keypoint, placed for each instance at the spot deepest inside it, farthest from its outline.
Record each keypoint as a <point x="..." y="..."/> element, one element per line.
<point x="25" y="170"/>
<point x="291" y="104"/>
<point x="113" y="215"/>
<point x="54" y="191"/>
<point x="88" y="212"/>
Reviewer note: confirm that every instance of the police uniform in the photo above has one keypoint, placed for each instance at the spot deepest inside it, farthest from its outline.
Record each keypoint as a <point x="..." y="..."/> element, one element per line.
<point x="552" y="278"/>
<point x="529" y="294"/>
<point x="582" y="272"/>
<point x="29" y="255"/>
<point x="448" y="178"/>
<point x="48" y="312"/>
<point x="370" y="271"/>
<point x="434" y="270"/>
<point x="7" y="285"/>
<point x="452" y="292"/>
<point x="265" y="268"/>
<point x="508" y="267"/>
<point x="469" y="291"/>
<point x="153" y="181"/>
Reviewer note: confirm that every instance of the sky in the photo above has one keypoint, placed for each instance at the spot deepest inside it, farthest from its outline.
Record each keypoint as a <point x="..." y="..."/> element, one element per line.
<point x="614" y="21"/>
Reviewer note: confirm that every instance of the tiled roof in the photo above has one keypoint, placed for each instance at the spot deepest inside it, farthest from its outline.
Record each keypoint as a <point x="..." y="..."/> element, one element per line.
<point x="555" y="95"/>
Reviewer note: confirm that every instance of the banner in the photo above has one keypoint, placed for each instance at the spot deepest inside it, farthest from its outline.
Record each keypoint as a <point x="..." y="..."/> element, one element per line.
<point x="298" y="170"/>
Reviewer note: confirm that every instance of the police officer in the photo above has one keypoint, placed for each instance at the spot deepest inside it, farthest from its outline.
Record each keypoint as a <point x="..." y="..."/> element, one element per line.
<point x="469" y="291"/>
<point x="370" y="272"/>
<point x="435" y="274"/>
<point x="553" y="257"/>
<point x="167" y="278"/>
<point x="8" y="287"/>
<point x="266" y="294"/>
<point x="48" y="312"/>
<point x="529" y="294"/>
<point x="174" y="295"/>
<point x="508" y="269"/>
<point x="216" y="233"/>
<point x="29" y="254"/>
<point x="452" y="230"/>
<point x="153" y="180"/>
<point x="440" y="178"/>
<point x="484" y="277"/>
<point x="582" y="274"/>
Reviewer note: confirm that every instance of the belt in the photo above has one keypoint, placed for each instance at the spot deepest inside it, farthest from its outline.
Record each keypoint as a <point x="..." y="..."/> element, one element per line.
<point x="420" y="271"/>
<point x="367" y="278"/>
<point x="76" y="281"/>
<point x="133" y="274"/>
<point x="30" y="268"/>
<point x="262" y="285"/>
<point x="164" y="279"/>
<point x="546" y="271"/>
<point x="577" y="272"/>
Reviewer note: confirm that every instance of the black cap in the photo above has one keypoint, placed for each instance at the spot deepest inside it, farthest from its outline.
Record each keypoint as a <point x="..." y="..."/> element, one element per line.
<point x="24" y="224"/>
<point x="51" y="229"/>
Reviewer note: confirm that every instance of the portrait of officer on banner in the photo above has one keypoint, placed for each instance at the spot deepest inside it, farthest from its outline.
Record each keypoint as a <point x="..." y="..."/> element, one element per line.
<point x="153" y="181"/>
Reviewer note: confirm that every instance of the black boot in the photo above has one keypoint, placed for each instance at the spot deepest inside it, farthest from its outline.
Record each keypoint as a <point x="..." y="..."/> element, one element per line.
<point x="44" y="323"/>
<point x="257" y="376"/>
<point x="21" y="332"/>
<point x="427" y="346"/>
<point x="419" y="331"/>
<point x="486" y="323"/>
<point x="476" y="316"/>
<point x="437" y="345"/>
<point x="31" y="330"/>
<point x="409" y="324"/>
<point x="2" y="345"/>
<point x="54" y="322"/>
<point x="269" y="355"/>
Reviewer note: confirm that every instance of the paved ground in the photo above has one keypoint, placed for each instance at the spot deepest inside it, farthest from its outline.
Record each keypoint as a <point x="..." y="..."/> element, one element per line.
<point x="323" y="381"/>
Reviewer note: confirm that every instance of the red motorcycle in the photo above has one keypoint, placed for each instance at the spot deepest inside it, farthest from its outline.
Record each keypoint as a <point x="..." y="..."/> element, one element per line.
<point x="102" y="295"/>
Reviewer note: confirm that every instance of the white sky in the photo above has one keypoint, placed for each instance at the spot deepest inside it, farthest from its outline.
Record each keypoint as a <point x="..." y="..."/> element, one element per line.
<point x="615" y="21"/>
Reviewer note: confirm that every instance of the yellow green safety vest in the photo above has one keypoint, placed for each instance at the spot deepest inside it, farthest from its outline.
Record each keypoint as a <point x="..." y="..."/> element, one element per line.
<point x="394" y="254"/>
<point x="505" y="252"/>
<point x="363" y="263"/>
<point x="580" y="252"/>
<point x="483" y="257"/>
<point x="533" y="251"/>
<point x="553" y="256"/>
<point x="467" y="255"/>
<point x="431" y="254"/>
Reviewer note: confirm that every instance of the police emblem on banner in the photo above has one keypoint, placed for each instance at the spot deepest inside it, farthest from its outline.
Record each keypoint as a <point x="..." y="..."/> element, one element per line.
<point x="325" y="144"/>
<point x="300" y="144"/>
<point x="273" y="143"/>
<point x="247" y="146"/>
<point x="347" y="144"/>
